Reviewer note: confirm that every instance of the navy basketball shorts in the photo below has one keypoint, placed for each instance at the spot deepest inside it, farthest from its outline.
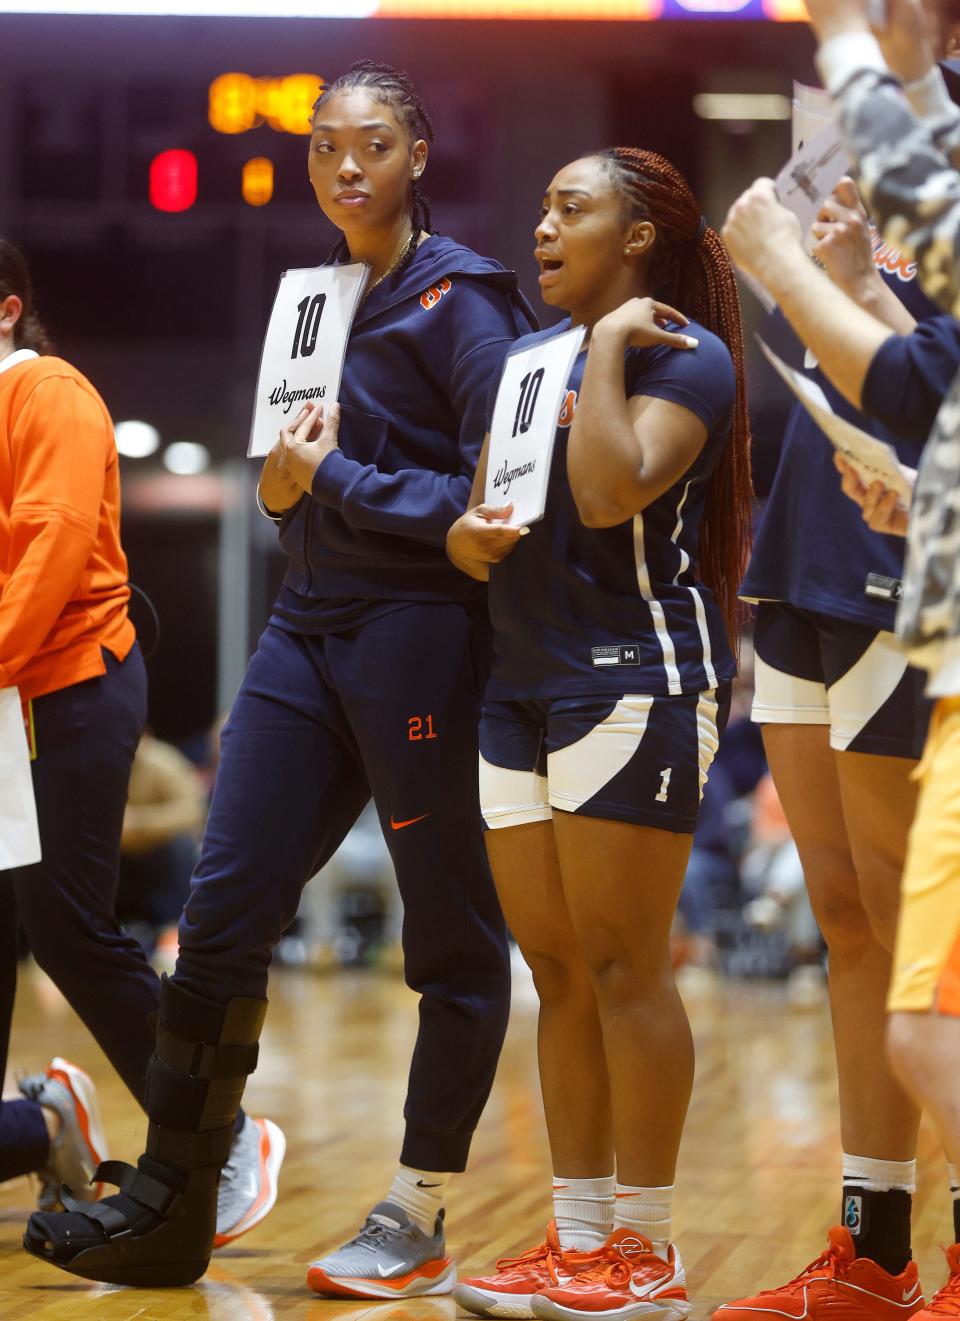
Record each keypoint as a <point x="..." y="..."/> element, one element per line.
<point x="635" y="758"/>
<point x="813" y="669"/>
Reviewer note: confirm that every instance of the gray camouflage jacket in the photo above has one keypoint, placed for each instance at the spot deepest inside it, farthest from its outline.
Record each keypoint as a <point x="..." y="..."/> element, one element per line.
<point x="913" y="192"/>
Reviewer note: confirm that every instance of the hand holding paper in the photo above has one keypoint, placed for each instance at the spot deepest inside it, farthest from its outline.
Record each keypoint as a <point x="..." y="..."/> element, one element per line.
<point x="842" y="239"/>
<point x="483" y="536"/>
<point x="305" y="445"/>
<point x="882" y="509"/>
<point x="760" y="230"/>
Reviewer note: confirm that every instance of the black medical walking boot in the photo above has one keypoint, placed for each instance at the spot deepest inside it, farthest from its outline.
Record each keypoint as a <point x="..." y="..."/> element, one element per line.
<point x="159" y="1229"/>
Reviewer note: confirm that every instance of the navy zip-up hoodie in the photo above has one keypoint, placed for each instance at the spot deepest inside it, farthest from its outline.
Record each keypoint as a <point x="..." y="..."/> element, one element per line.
<point x="422" y="351"/>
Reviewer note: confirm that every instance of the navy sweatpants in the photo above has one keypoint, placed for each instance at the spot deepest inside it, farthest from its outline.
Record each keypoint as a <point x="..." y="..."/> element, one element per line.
<point x="388" y="709"/>
<point x="86" y="736"/>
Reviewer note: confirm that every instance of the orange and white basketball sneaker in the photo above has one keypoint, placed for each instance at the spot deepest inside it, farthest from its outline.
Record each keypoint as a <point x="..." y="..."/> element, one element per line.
<point x="80" y="1145"/>
<point x="838" y="1283"/>
<point x="627" y="1279"/>
<point x="946" y="1301"/>
<point x="509" y="1292"/>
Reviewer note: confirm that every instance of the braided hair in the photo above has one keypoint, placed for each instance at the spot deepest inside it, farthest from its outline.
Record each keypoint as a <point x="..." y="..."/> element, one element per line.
<point x="394" y="88"/>
<point x="691" y="270"/>
<point x="15" y="281"/>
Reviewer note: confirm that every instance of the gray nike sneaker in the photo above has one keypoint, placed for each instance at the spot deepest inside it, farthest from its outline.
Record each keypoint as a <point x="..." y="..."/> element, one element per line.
<point x="391" y="1257"/>
<point x="80" y="1145"/>
<point x="249" y="1180"/>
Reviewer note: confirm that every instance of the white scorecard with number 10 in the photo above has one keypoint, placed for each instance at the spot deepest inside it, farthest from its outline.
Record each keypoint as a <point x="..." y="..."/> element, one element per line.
<point x="532" y="391"/>
<point x="303" y="352"/>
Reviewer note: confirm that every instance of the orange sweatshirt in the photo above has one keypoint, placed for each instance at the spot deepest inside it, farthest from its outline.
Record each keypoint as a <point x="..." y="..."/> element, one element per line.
<point x="63" y="573"/>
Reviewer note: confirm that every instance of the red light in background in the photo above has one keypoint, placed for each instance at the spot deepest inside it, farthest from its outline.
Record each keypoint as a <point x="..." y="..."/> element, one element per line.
<point x="173" y="180"/>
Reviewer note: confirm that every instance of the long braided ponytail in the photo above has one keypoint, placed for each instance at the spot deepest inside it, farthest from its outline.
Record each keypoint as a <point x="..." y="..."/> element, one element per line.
<point x="691" y="270"/>
<point x="393" y="88"/>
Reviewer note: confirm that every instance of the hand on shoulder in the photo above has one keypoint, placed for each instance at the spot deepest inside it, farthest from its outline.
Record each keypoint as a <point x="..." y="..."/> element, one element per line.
<point x="641" y="322"/>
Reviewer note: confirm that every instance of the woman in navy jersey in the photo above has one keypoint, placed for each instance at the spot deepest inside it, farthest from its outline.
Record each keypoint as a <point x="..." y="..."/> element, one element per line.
<point x="844" y="721"/>
<point x="613" y="621"/>
<point x="899" y="381"/>
<point x="366" y="683"/>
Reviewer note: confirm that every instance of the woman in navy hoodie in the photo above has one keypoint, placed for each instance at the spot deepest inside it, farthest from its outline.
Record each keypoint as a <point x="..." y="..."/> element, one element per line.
<point x="366" y="682"/>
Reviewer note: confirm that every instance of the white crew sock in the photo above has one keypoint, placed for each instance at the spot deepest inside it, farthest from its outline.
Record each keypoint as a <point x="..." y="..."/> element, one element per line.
<point x="420" y="1194"/>
<point x="583" y="1211"/>
<point x="954" y="1176"/>
<point x="645" y="1211"/>
<point x="880" y="1176"/>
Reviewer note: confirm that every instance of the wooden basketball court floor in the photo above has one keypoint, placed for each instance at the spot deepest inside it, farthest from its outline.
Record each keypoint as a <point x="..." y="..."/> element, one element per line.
<point x="757" y="1185"/>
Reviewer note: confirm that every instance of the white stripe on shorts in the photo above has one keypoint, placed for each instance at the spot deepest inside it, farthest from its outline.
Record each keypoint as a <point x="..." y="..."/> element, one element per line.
<point x="847" y="706"/>
<point x="708" y="734"/>
<point x="867" y="686"/>
<point x="580" y="770"/>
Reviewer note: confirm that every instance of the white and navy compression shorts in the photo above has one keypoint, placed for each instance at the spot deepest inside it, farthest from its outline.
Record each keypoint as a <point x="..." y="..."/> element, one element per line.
<point x="632" y="758"/>
<point x="813" y="669"/>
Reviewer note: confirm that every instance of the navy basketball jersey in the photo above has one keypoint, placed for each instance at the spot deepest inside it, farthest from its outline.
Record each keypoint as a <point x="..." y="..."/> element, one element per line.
<point x="621" y="609"/>
<point x="812" y="547"/>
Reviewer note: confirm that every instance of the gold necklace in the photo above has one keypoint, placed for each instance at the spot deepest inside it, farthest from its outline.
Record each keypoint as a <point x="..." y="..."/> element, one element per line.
<point x="393" y="265"/>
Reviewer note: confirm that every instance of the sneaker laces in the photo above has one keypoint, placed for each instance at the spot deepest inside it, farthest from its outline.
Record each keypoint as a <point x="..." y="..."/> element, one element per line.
<point x="373" y="1234"/>
<point x="547" y="1257"/>
<point x="620" y="1271"/>
<point x="613" y="1268"/>
<point x="616" y="1273"/>
<point x="829" y="1259"/>
<point x="540" y="1255"/>
<point x="31" y="1085"/>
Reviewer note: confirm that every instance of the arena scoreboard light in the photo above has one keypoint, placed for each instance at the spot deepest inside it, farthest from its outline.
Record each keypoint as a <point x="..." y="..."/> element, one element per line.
<point x="623" y="10"/>
<point x="239" y="102"/>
